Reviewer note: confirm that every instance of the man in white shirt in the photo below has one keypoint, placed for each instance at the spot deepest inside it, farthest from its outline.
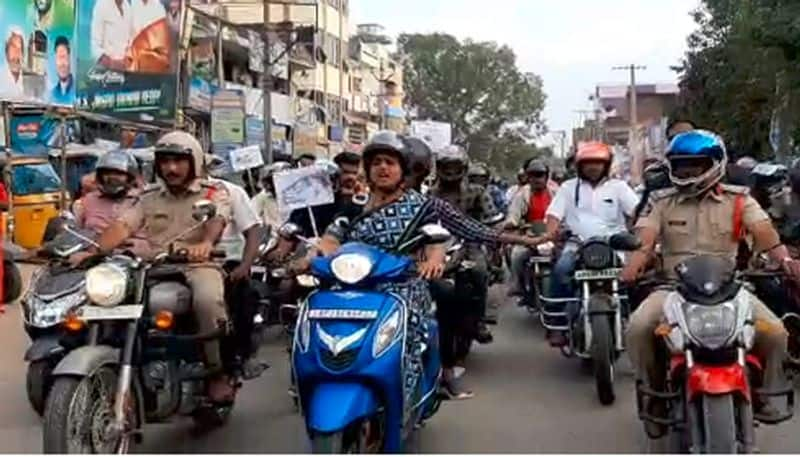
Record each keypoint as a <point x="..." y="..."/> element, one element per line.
<point x="590" y="205"/>
<point x="11" y="83"/>
<point x="265" y="203"/>
<point x="112" y="32"/>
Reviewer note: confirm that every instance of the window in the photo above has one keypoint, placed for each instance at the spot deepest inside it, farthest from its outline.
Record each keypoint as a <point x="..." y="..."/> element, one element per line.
<point x="331" y="46"/>
<point x="34" y="179"/>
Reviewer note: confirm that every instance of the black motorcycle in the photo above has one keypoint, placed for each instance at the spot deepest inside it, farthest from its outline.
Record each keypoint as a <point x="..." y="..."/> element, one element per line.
<point x="55" y="290"/>
<point x="142" y="361"/>
<point x="594" y="321"/>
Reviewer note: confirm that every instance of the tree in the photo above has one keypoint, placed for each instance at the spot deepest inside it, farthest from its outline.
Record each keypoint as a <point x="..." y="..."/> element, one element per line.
<point x="736" y="77"/>
<point x="494" y="108"/>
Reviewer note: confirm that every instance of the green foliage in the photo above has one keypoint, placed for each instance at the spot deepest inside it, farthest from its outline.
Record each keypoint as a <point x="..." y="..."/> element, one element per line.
<point x="740" y="68"/>
<point x="494" y="108"/>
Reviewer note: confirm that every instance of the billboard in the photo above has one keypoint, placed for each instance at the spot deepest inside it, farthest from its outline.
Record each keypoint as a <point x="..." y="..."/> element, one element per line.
<point x="127" y="60"/>
<point x="38" y="42"/>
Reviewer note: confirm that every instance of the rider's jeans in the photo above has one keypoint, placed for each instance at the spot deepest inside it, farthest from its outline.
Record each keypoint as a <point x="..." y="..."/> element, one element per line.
<point x="770" y="346"/>
<point x="208" y="304"/>
<point x="519" y="262"/>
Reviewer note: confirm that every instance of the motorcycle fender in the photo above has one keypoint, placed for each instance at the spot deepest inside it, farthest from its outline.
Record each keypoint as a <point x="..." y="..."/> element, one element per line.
<point x="334" y="406"/>
<point x="43" y="347"/>
<point x="84" y="360"/>
<point x="601" y="304"/>
<point x="717" y="380"/>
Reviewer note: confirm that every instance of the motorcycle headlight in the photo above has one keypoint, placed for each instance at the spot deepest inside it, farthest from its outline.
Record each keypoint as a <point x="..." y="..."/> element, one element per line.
<point x="106" y="284"/>
<point x="387" y="333"/>
<point x="351" y="268"/>
<point x="597" y="256"/>
<point x="307" y="281"/>
<point x="44" y="314"/>
<point x="711" y="326"/>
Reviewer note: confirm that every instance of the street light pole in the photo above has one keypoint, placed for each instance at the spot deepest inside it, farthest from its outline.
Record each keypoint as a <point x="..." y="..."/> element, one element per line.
<point x="266" y="84"/>
<point x="633" y="144"/>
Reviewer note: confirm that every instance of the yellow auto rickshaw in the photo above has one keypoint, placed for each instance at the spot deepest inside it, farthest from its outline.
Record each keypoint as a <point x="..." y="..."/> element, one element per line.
<point x="35" y="193"/>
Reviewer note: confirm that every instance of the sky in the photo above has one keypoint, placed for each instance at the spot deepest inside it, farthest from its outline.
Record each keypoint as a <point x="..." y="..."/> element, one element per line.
<point x="571" y="44"/>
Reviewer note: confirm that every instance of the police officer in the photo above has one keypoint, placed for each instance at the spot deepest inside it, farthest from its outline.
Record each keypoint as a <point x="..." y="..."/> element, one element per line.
<point x="700" y="216"/>
<point x="451" y="171"/>
<point x="164" y="211"/>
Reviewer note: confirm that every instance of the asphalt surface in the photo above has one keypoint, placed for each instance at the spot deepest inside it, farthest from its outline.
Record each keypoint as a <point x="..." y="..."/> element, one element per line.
<point x="529" y="398"/>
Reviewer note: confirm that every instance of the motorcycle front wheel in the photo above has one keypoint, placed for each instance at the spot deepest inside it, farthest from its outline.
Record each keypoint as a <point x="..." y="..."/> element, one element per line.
<point x="362" y="437"/>
<point x="719" y="424"/>
<point x="602" y="352"/>
<point x="38" y="383"/>
<point x="79" y="413"/>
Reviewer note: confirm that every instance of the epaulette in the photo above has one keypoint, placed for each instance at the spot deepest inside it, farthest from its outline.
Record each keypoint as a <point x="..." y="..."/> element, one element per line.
<point x="733" y="189"/>
<point x="661" y="194"/>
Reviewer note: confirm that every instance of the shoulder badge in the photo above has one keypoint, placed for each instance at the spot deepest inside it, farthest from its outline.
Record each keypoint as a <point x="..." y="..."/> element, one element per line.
<point x="151" y="188"/>
<point x="732" y="189"/>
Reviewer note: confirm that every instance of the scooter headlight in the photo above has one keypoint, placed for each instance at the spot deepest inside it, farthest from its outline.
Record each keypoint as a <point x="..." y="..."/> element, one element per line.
<point x="106" y="284"/>
<point x="351" y="268"/>
<point x="711" y="326"/>
<point x="387" y="333"/>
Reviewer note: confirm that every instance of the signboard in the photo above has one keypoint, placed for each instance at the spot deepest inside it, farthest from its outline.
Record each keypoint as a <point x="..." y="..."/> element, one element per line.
<point x="199" y="96"/>
<point x="246" y="158"/>
<point x="436" y="134"/>
<point x="38" y="59"/>
<point x="128" y="58"/>
<point x="227" y="116"/>
<point x="302" y="187"/>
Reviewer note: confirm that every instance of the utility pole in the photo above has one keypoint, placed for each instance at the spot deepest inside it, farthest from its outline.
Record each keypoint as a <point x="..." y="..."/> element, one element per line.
<point x="633" y="144"/>
<point x="266" y="84"/>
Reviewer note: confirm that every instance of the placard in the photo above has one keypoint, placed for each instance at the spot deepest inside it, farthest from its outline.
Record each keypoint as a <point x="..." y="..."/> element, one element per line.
<point x="246" y="158"/>
<point x="303" y="187"/>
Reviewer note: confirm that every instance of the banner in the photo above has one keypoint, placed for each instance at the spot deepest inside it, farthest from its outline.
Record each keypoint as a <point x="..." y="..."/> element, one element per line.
<point x="38" y="59"/>
<point x="128" y="58"/>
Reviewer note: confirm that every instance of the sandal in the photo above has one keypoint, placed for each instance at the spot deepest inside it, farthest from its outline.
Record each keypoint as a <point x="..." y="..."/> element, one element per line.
<point x="450" y="391"/>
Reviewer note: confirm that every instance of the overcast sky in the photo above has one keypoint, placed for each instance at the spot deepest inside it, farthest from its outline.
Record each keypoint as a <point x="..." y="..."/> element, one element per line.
<point x="571" y="44"/>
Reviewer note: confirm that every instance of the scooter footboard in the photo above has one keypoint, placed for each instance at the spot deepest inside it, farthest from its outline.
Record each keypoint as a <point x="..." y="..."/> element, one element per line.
<point x="333" y="406"/>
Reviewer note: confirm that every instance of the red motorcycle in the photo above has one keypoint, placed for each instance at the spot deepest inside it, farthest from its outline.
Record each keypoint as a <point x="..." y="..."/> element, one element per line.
<point x="713" y="379"/>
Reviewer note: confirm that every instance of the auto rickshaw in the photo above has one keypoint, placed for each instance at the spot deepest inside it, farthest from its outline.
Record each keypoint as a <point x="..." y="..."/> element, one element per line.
<point x="35" y="196"/>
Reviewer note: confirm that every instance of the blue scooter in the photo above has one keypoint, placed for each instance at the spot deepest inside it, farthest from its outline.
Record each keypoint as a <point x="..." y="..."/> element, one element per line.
<point x="359" y="388"/>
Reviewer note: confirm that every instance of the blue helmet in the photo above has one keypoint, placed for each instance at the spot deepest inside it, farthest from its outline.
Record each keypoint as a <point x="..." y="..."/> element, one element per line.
<point x="700" y="144"/>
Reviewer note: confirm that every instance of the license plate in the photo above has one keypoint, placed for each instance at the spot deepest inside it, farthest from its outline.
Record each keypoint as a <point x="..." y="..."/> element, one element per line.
<point x="121" y="312"/>
<point x="589" y="275"/>
<point x="541" y="259"/>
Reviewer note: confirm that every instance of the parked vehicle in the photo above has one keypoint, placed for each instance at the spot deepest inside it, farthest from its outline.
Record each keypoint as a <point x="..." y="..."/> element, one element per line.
<point x="713" y="378"/>
<point x="358" y="391"/>
<point x="594" y="321"/>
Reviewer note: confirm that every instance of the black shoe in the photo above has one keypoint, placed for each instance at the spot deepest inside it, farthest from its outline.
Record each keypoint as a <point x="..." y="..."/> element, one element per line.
<point x="483" y="335"/>
<point x="765" y="412"/>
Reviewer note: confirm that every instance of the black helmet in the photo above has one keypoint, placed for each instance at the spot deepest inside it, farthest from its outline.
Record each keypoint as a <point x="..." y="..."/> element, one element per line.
<point x="420" y="158"/>
<point x="387" y="141"/>
<point x="119" y="161"/>
<point x="479" y="170"/>
<point x="537" y="166"/>
<point x="449" y="155"/>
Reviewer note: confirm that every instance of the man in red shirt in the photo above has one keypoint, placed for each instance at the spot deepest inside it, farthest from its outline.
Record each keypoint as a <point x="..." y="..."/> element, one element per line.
<point x="528" y="208"/>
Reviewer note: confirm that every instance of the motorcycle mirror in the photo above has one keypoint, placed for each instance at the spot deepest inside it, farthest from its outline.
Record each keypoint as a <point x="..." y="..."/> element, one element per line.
<point x="435" y="233"/>
<point x="342" y="222"/>
<point x="203" y="210"/>
<point x="624" y="242"/>
<point x="496" y="219"/>
<point x="290" y="230"/>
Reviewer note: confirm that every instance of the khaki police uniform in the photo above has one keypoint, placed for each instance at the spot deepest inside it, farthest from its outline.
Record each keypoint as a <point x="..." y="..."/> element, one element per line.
<point x="472" y="199"/>
<point x="163" y="216"/>
<point x="689" y="226"/>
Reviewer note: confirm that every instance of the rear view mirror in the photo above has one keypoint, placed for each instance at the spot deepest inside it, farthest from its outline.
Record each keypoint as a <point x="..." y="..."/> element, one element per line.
<point x="624" y="242"/>
<point x="435" y="234"/>
<point x="203" y="210"/>
<point x="290" y="230"/>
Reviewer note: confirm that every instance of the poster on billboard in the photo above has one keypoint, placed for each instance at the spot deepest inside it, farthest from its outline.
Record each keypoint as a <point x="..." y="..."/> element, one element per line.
<point x="128" y="58"/>
<point x="38" y="59"/>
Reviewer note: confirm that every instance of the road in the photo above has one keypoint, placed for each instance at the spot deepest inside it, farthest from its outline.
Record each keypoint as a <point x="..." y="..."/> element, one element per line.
<point x="528" y="399"/>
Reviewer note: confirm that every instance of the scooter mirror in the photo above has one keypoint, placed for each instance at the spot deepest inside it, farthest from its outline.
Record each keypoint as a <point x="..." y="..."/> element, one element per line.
<point x="496" y="219"/>
<point x="624" y="242"/>
<point x="203" y="210"/>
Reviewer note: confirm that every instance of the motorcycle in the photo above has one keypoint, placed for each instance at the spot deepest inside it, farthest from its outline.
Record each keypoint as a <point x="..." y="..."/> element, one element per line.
<point x="141" y="362"/>
<point x="712" y="378"/>
<point x="595" y="330"/>
<point x="358" y="389"/>
<point x="55" y="291"/>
